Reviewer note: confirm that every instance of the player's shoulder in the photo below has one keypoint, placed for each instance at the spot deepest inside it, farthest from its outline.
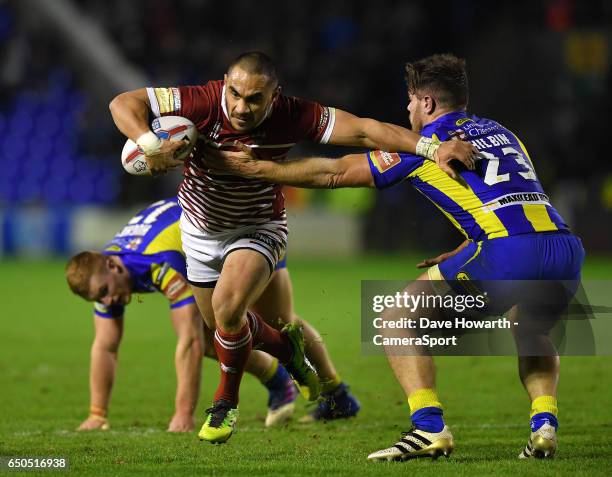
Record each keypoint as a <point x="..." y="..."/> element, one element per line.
<point x="292" y="107"/>
<point x="212" y="89"/>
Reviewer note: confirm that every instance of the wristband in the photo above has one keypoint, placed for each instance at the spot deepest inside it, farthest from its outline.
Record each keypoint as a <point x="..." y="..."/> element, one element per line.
<point x="427" y="148"/>
<point x="149" y="143"/>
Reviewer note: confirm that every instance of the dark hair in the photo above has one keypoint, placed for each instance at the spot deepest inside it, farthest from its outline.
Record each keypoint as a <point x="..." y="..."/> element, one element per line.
<point x="443" y="76"/>
<point x="257" y="63"/>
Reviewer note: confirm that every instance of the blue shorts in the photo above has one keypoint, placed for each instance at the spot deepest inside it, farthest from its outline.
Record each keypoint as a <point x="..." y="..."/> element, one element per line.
<point x="282" y="263"/>
<point x="509" y="268"/>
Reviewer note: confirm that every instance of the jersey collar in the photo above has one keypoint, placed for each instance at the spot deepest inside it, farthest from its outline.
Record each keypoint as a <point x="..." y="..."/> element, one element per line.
<point x="452" y="116"/>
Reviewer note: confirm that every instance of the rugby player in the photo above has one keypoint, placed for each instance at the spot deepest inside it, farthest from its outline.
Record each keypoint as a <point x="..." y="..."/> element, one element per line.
<point x="146" y="256"/>
<point x="513" y="234"/>
<point x="234" y="230"/>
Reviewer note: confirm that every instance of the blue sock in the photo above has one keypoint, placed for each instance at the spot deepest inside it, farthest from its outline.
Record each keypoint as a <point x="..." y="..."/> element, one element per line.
<point x="428" y="419"/>
<point x="538" y="420"/>
<point x="279" y="379"/>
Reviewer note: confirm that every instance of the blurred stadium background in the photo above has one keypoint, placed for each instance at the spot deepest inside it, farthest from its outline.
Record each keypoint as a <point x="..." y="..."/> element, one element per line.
<point x="542" y="68"/>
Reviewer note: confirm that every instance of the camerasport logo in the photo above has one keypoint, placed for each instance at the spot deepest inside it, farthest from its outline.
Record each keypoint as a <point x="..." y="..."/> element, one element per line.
<point x="385" y="160"/>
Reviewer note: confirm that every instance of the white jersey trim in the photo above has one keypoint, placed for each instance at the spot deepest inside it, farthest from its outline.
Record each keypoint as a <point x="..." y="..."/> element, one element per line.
<point x="330" y="126"/>
<point x="153" y="101"/>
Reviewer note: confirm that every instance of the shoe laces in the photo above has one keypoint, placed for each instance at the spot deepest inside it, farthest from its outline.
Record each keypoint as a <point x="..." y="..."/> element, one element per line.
<point x="218" y="412"/>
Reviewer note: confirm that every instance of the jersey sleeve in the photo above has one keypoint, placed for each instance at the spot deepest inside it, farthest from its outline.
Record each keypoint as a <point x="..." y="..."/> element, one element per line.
<point x="311" y="120"/>
<point x="389" y="168"/>
<point x="172" y="284"/>
<point x="103" y="311"/>
<point x="192" y="102"/>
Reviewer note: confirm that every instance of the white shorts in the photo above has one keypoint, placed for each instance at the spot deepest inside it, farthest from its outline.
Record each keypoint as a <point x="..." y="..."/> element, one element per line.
<point x="206" y="252"/>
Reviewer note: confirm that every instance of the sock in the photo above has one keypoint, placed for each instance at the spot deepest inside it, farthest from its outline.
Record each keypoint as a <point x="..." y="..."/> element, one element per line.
<point x="233" y="351"/>
<point x="270" y="372"/>
<point x="278" y="379"/>
<point x="268" y="339"/>
<point x="328" y="386"/>
<point x="544" y="411"/>
<point x="426" y="410"/>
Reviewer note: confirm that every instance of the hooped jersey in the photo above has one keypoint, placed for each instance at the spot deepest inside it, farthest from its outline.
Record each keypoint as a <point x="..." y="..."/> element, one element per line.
<point x="501" y="197"/>
<point x="150" y="247"/>
<point x="217" y="203"/>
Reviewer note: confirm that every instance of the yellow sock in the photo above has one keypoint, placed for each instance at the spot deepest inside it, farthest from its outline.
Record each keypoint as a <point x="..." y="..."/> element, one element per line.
<point x="328" y="385"/>
<point x="425" y="397"/>
<point x="270" y="372"/>
<point x="544" y="404"/>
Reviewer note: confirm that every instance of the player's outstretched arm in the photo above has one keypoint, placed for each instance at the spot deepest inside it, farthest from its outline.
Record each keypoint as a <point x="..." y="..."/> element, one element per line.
<point x="102" y="371"/>
<point x="130" y="112"/>
<point x="352" y="170"/>
<point x="350" y="130"/>
<point x="188" y="325"/>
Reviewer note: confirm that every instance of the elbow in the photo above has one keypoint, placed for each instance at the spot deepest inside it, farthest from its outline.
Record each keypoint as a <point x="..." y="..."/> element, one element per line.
<point x="118" y="102"/>
<point x="115" y="104"/>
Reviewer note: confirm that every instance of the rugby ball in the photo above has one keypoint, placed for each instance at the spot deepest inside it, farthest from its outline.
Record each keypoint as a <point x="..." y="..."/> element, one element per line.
<point x="172" y="128"/>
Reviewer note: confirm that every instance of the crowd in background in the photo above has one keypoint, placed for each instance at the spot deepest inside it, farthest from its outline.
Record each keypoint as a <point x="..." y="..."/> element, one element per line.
<point x="541" y="68"/>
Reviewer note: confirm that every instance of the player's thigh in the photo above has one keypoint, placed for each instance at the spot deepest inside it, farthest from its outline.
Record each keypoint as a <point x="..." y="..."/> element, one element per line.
<point x="275" y="304"/>
<point x="244" y="276"/>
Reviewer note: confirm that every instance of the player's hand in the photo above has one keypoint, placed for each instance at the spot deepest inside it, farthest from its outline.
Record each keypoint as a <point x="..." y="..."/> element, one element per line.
<point x="242" y="161"/>
<point x="166" y="158"/>
<point x="430" y="262"/>
<point x="181" y="423"/>
<point x="461" y="151"/>
<point x="94" y="422"/>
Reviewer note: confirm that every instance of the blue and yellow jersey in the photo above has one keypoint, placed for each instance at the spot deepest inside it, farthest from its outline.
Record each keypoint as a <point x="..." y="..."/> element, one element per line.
<point x="150" y="247"/>
<point x="502" y="197"/>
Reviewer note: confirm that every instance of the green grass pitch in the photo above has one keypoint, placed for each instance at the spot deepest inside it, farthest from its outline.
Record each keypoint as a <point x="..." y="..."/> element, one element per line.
<point x="44" y="356"/>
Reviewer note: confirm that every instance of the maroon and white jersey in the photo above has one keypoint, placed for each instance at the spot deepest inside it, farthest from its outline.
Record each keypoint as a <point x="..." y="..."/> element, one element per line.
<point x="218" y="203"/>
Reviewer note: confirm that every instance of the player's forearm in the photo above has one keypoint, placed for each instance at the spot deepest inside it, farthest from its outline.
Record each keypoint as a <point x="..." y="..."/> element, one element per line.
<point x="388" y="137"/>
<point x="102" y="376"/>
<point x="188" y="362"/>
<point x="130" y="113"/>
<point x="312" y="173"/>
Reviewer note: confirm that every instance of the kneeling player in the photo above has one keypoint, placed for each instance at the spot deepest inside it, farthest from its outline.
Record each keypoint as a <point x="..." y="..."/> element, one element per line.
<point x="514" y="234"/>
<point x="145" y="256"/>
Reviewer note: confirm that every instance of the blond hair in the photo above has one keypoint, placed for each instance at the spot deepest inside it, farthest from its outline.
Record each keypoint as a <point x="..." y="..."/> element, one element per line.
<point x="79" y="270"/>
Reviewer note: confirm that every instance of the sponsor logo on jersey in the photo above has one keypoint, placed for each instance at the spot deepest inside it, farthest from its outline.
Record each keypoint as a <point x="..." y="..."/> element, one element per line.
<point x="134" y="244"/>
<point x="385" y="160"/>
<point x="175" y="287"/>
<point x="520" y="198"/>
<point x="323" y="119"/>
<point x="177" y="98"/>
<point x="462" y="121"/>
